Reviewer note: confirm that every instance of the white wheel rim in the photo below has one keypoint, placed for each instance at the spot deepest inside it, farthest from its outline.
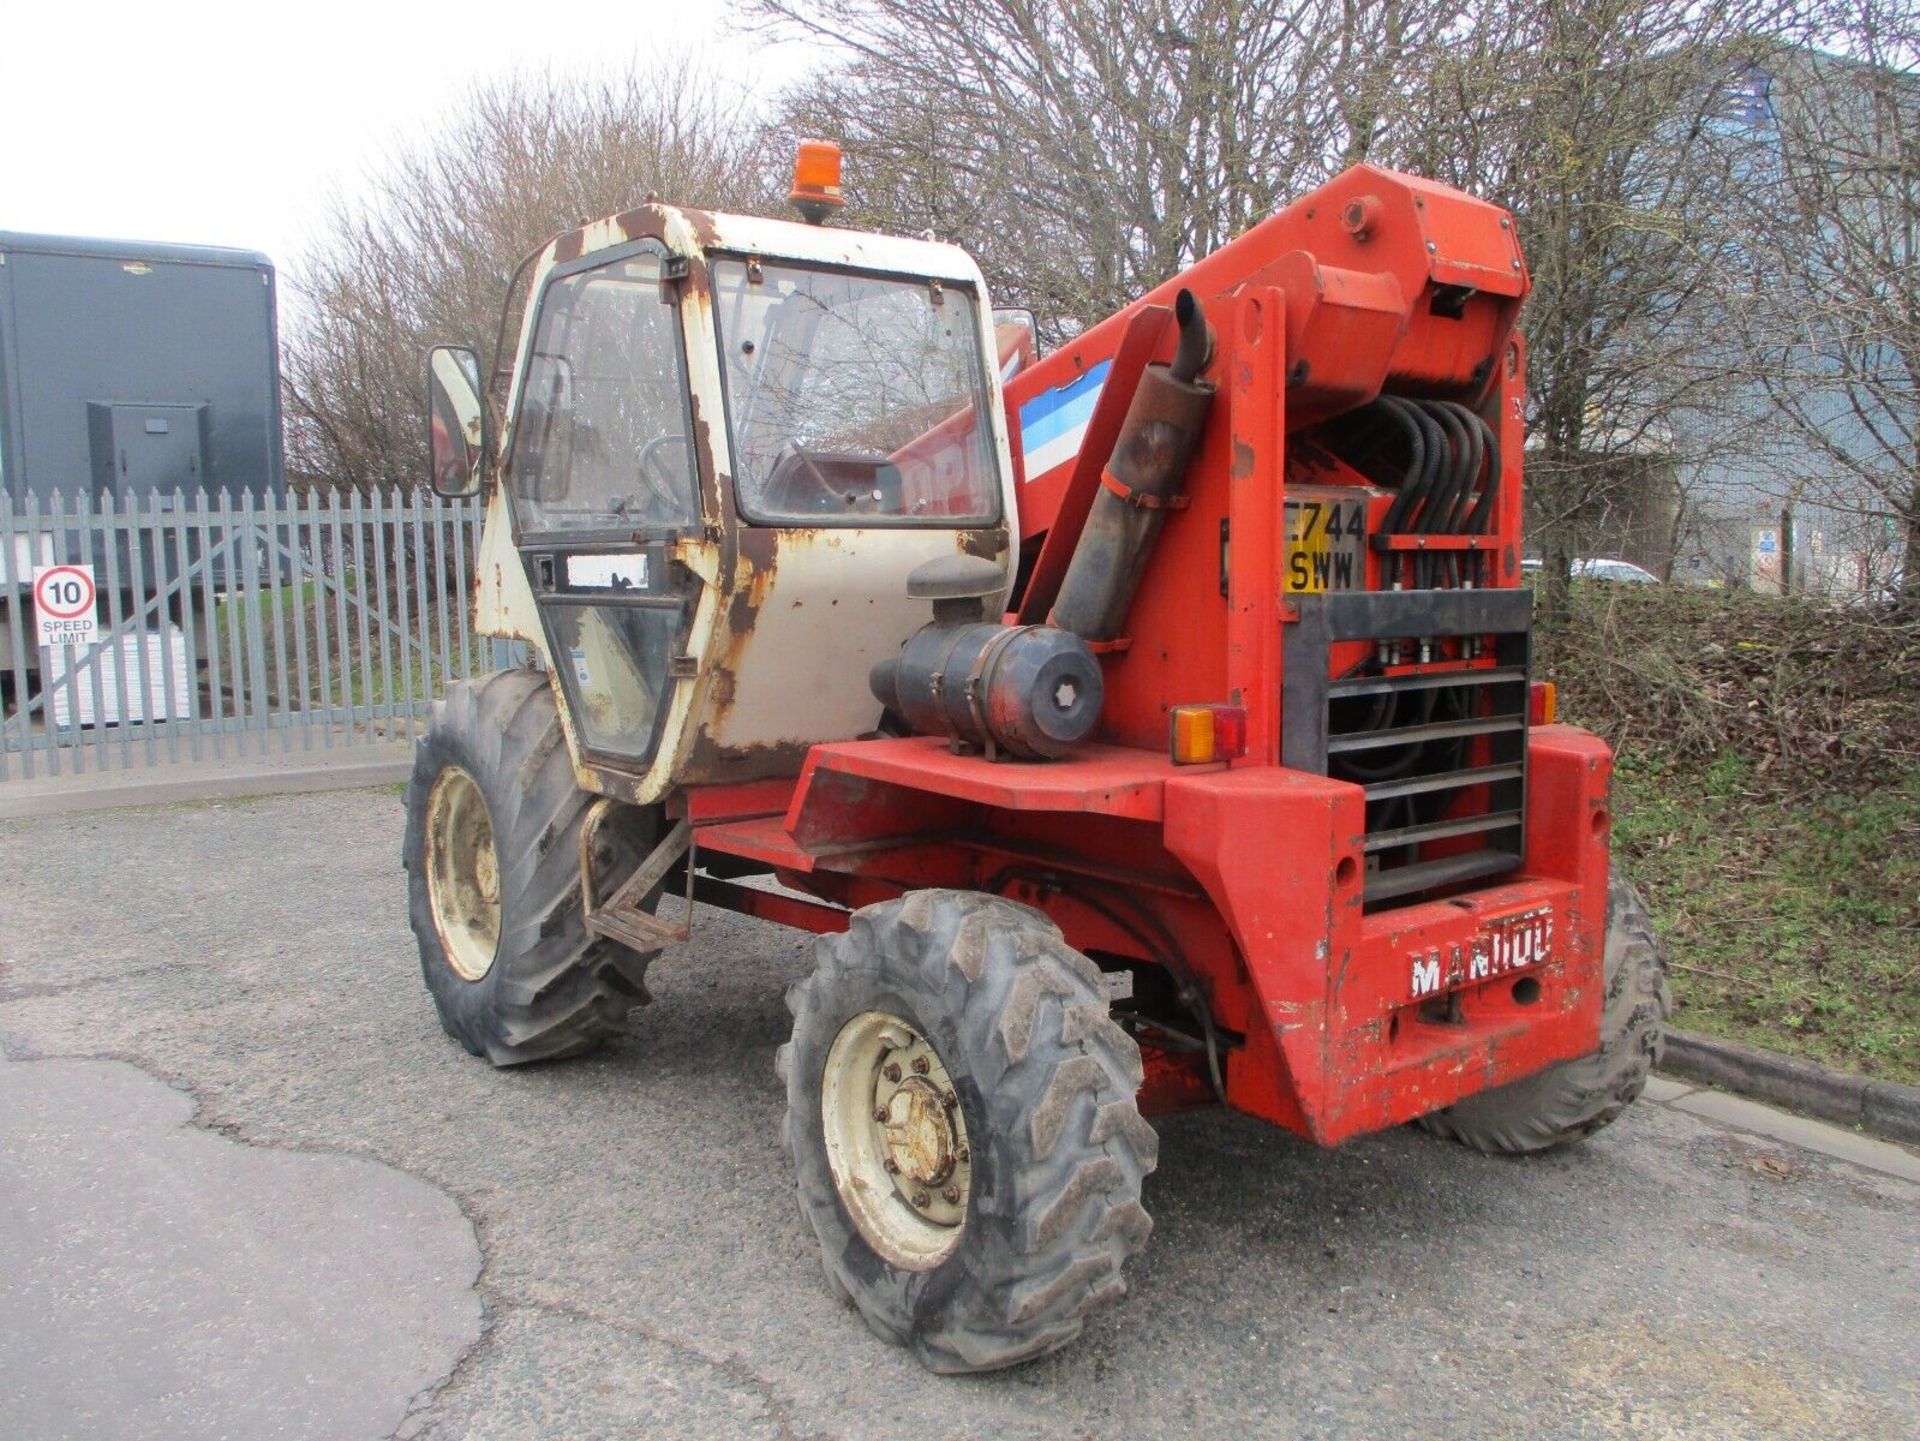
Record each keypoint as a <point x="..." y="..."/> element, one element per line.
<point x="463" y="873"/>
<point x="896" y="1140"/>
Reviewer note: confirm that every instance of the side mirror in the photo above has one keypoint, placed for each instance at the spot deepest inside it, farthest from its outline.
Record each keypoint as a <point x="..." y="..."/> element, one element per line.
<point x="456" y="422"/>
<point x="1016" y="335"/>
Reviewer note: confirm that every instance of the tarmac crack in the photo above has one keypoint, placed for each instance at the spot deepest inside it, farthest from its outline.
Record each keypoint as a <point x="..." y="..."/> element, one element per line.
<point x="418" y="1420"/>
<point x="18" y="1051"/>
<point x="36" y="990"/>
<point x="732" y="1368"/>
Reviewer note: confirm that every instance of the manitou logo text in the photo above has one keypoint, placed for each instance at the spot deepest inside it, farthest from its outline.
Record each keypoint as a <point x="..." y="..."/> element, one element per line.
<point x="1512" y="943"/>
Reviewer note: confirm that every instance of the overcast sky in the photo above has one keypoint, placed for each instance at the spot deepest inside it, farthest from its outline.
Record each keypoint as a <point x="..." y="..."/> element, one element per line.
<point x="217" y="122"/>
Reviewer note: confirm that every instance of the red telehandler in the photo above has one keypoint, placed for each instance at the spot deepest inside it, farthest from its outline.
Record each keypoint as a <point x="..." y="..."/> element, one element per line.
<point x="1144" y="726"/>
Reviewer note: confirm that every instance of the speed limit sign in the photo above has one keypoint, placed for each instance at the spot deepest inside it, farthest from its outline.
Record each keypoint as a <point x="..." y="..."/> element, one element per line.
<point x="63" y="603"/>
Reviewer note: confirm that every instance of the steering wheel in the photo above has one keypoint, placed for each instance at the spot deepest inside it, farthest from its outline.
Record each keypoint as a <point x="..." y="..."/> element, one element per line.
<point x="795" y="485"/>
<point x="654" y="472"/>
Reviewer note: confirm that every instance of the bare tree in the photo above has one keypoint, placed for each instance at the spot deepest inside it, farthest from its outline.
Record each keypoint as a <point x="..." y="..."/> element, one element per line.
<point x="1085" y="150"/>
<point x="1602" y="124"/>
<point x="425" y="252"/>
<point x="1835" y="234"/>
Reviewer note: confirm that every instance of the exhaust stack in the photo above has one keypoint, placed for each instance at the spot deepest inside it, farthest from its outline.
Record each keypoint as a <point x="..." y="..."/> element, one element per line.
<point x="1140" y="484"/>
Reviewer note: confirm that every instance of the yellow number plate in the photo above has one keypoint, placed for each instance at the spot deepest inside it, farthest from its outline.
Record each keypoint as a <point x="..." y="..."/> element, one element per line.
<point x="1326" y="545"/>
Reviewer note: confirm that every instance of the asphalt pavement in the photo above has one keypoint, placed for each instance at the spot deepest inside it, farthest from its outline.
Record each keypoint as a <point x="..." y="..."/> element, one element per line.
<point x="249" y="1189"/>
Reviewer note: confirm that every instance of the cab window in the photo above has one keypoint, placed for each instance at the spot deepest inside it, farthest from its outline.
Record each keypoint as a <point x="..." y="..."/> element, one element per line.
<point x="602" y="438"/>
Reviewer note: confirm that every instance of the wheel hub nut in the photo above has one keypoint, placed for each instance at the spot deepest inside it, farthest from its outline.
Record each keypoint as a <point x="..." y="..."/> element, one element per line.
<point x="918" y="1134"/>
<point x="912" y="1142"/>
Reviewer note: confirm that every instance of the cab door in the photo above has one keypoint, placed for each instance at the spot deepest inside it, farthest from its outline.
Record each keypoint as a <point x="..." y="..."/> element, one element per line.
<point x="863" y="440"/>
<point x="602" y="480"/>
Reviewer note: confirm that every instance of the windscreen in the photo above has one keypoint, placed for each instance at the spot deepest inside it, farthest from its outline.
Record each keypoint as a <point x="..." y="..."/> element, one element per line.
<point x="854" y="399"/>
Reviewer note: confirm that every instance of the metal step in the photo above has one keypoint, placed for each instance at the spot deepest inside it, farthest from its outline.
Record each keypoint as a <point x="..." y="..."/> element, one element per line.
<point x="622" y="916"/>
<point x="641" y="930"/>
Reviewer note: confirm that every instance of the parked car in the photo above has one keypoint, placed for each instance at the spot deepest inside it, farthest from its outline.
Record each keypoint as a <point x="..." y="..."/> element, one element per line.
<point x="1622" y="571"/>
<point x="1616" y="570"/>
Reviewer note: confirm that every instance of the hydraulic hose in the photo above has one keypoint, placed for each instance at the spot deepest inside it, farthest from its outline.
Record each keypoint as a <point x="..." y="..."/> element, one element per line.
<point x="1450" y="485"/>
<point x="1480" y="522"/>
<point x="1420" y="517"/>
<point x="1444" y="507"/>
<point x="1407" y="497"/>
<point x="1474" y="453"/>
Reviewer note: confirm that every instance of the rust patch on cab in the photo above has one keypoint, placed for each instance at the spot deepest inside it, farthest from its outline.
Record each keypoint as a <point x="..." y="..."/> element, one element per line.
<point x="988" y="544"/>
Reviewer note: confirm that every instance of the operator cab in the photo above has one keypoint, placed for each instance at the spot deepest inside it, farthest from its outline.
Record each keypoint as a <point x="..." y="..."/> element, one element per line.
<point x="727" y="443"/>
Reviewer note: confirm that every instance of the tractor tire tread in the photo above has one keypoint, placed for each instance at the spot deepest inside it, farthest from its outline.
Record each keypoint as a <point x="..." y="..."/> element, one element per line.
<point x="1058" y="1079"/>
<point x="555" y="989"/>
<point x="1572" y="1100"/>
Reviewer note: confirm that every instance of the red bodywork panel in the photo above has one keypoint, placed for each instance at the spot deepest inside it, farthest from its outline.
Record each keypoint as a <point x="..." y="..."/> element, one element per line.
<point x="1310" y="321"/>
<point x="1333" y="1021"/>
<point x="1255" y="871"/>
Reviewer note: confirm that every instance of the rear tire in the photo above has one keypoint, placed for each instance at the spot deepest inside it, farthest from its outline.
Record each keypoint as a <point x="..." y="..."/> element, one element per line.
<point x="504" y="947"/>
<point x="1570" y="1101"/>
<point x="1002" y="1258"/>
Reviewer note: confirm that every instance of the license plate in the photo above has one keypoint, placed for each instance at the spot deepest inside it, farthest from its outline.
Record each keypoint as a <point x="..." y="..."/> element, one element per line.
<point x="1326" y="544"/>
<point x="1507" y="946"/>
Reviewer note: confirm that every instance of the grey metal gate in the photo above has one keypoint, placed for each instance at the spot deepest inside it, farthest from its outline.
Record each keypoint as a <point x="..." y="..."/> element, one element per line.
<point x="234" y="626"/>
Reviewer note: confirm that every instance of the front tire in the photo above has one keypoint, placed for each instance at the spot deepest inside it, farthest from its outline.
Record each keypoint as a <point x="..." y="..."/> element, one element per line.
<point x="1570" y="1101"/>
<point x="492" y="855"/>
<point x="961" y="1114"/>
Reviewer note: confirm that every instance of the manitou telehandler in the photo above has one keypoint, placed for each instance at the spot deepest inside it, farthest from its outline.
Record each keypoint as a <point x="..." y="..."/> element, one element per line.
<point x="1142" y="726"/>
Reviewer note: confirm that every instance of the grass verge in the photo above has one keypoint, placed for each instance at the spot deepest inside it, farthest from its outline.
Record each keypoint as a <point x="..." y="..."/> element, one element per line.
<point x="1792" y="924"/>
<point x="1767" y="797"/>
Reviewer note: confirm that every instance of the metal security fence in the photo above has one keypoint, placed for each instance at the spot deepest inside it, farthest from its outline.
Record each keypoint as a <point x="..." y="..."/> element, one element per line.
<point x="234" y="625"/>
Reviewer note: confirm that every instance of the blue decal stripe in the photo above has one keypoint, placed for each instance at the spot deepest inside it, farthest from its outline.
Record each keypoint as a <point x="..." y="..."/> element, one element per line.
<point x="1053" y="413"/>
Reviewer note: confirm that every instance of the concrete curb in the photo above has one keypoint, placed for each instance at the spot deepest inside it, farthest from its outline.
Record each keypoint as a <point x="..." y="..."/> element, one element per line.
<point x="1881" y="1108"/>
<point x="159" y="789"/>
